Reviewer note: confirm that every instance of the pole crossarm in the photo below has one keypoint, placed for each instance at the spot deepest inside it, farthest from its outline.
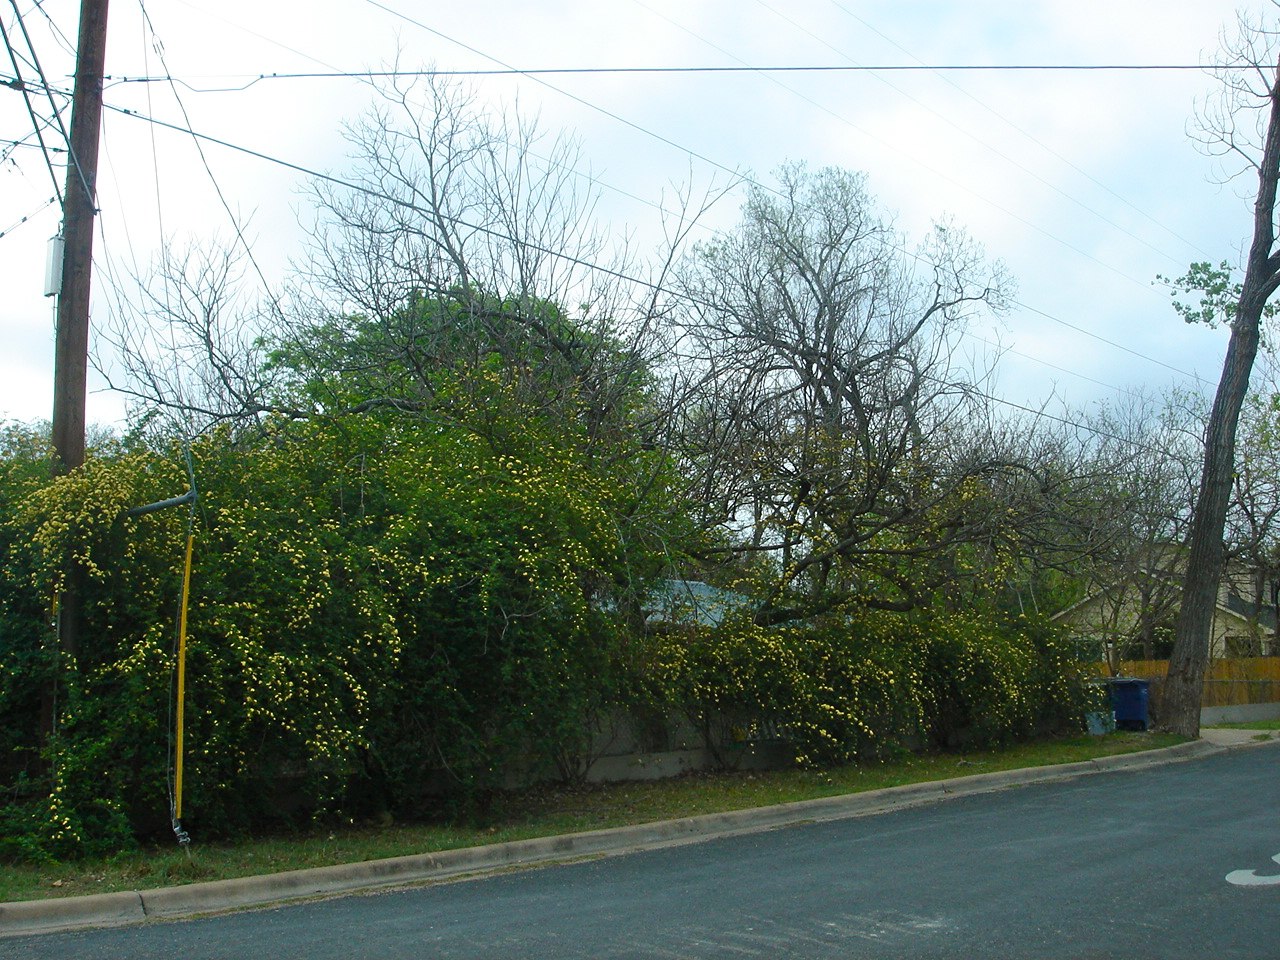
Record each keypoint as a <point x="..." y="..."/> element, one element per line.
<point x="182" y="501"/>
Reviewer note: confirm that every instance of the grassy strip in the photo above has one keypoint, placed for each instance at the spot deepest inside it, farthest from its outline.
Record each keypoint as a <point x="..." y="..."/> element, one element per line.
<point x="539" y="813"/>
<point x="1254" y="725"/>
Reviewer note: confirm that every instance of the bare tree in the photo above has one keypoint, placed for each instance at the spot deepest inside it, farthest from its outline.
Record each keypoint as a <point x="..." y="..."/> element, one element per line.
<point x="456" y="274"/>
<point x="1253" y="521"/>
<point x="459" y="232"/>
<point x="1125" y="520"/>
<point x="833" y="432"/>
<point x="186" y="341"/>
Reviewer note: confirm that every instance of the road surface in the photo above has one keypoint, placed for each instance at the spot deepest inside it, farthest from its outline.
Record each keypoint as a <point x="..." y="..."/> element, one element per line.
<point x="1126" y="865"/>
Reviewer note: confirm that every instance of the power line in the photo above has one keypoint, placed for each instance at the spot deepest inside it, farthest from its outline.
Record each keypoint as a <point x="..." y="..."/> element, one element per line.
<point x="10" y="144"/>
<point x="1045" y="363"/>
<point x="369" y="191"/>
<point x="14" y="226"/>
<point x="156" y="181"/>
<point x="734" y="173"/>
<point x="235" y="222"/>
<point x="596" y="181"/>
<point x="802" y="68"/>
<point x="253" y="78"/>
<point x="933" y="171"/>
<point x="1015" y="126"/>
<point x="691" y="153"/>
<point x="1067" y="421"/>
<point x="1112" y="343"/>
<point x="261" y="36"/>
<point x="48" y="92"/>
<point x="21" y="85"/>
<point x="507" y="69"/>
<point x="973" y="137"/>
<point x="61" y="37"/>
<point x="25" y="142"/>
<point x="124" y="220"/>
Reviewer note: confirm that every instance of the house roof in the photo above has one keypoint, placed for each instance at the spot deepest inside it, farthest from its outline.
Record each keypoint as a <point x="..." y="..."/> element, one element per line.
<point x="691" y="601"/>
<point x="1231" y="604"/>
<point x="1263" y="613"/>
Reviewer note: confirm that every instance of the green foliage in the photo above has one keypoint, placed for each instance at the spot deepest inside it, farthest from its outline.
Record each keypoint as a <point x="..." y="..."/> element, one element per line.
<point x="67" y="781"/>
<point x="990" y="683"/>
<point x="385" y="614"/>
<point x="26" y="639"/>
<point x="1219" y="294"/>
<point x="423" y="602"/>
<point x="382" y="608"/>
<point x="865" y="685"/>
<point x="486" y="557"/>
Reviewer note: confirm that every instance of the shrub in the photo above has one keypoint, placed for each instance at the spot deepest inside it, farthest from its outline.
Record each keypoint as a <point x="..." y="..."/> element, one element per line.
<point x="376" y="613"/>
<point x="855" y="687"/>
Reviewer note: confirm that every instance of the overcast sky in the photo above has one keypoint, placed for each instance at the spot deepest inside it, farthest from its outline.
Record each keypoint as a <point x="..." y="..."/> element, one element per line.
<point x="1085" y="184"/>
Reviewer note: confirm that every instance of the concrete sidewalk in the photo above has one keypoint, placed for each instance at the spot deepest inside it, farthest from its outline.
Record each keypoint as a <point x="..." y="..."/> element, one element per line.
<point x="1227" y="737"/>
<point x="113" y="909"/>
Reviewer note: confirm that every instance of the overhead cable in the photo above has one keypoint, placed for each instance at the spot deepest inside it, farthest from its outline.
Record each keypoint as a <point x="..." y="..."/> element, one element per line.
<point x="21" y="85"/>
<point x="1020" y="129"/>
<point x="54" y="109"/>
<point x="253" y="78"/>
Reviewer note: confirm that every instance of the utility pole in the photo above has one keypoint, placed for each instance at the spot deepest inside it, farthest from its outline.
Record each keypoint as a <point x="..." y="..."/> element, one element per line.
<point x="71" y="351"/>
<point x="71" y="345"/>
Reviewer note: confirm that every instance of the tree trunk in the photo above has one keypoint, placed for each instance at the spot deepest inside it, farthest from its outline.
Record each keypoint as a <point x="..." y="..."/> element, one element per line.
<point x="1180" y="706"/>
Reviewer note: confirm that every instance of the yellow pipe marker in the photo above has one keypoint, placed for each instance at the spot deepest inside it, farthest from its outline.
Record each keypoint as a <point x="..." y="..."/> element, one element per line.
<point x="182" y="678"/>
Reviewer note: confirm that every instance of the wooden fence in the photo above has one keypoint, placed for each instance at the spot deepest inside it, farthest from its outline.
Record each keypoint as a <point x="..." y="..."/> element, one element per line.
<point x="1227" y="683"/>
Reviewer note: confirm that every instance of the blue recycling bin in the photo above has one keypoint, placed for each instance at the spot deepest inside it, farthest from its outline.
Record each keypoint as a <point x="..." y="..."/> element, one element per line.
<point x="1129" y="702"/>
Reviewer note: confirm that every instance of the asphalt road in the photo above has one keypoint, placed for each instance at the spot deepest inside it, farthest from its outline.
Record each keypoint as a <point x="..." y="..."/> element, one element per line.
<point x="1124" y="865"/>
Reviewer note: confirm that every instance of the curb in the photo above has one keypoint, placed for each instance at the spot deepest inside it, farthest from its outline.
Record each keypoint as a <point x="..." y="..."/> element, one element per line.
<point x="128" y="907"/>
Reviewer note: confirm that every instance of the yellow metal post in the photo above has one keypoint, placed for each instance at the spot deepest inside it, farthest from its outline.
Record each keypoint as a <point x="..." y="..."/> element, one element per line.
<point x="182" y="679"/>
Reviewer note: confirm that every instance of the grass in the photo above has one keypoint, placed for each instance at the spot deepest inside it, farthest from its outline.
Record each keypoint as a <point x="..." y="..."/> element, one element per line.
<point x="1253" y="725"/>
<point x="538" y="813"/>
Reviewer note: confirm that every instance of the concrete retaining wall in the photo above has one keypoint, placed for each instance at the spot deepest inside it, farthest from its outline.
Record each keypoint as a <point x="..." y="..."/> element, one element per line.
<point x="1241" y="713"/>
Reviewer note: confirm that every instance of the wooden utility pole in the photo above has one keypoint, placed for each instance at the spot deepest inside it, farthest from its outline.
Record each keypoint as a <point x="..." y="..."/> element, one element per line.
<point x="71" y="346"/>
<point x="71" y="351"/>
